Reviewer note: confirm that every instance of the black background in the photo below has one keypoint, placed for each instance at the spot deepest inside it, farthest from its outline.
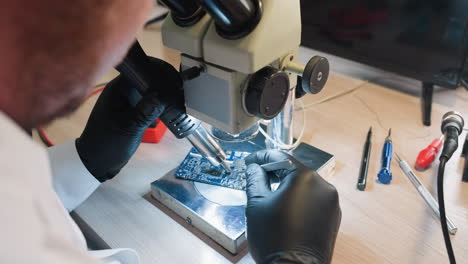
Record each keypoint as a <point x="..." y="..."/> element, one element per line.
<point x="422" y="39"/>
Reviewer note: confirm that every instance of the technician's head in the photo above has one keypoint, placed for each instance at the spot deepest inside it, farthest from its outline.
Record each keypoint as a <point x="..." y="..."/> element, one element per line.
<point x="52" y="51"/>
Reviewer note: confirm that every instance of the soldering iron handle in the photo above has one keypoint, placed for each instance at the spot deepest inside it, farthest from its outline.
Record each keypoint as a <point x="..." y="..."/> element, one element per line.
<point x="137" y="69"/>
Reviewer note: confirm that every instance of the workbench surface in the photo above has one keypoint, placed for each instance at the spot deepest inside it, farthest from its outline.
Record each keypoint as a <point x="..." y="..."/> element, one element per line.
<point x="384" y="224"/>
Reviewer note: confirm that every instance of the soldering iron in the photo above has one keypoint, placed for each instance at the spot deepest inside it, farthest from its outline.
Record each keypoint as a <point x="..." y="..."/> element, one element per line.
<point x="136" y="69"/>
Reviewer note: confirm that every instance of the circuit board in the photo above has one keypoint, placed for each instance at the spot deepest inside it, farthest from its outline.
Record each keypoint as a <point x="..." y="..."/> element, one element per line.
<point x="196" y="168"/>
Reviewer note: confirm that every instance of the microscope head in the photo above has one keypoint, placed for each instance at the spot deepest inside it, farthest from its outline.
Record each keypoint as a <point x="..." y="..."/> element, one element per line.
<point x="244" y="54"/>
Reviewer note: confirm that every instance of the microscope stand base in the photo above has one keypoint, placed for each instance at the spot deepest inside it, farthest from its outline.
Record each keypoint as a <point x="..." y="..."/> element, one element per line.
<point x="220" y="212"/>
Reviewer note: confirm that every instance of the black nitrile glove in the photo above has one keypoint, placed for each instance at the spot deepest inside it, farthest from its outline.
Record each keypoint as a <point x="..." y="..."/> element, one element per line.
<point x="116" y="127"/>
<point x="299" y="222"/>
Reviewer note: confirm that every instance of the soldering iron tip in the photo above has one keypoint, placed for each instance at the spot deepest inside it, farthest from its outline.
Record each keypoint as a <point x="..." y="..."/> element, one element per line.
<point x="226" y="167"/>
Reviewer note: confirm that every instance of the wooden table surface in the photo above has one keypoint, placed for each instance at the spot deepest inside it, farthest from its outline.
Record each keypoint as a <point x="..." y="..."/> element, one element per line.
<point x="384" y="224"/>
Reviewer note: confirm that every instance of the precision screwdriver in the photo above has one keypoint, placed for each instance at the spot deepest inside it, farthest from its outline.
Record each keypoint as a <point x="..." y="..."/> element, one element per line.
<point x="362" y="180"/>
<point x="385" y="175"/>
<point x="425" y="194"/>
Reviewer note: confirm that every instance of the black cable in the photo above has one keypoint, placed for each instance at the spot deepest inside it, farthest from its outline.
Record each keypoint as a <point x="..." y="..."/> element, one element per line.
<point x="100" y="85"/>
<point x="156" y="19"/>
<point x="443" y="217"/>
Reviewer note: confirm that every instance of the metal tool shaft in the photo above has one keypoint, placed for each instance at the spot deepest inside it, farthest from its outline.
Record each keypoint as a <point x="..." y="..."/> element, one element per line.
<point x="425" y="194"/>
<point x="280" y="128"/>
<point x="275" y="181"/>
<point x="208" y="147"/>
<point x="279" y="165"/>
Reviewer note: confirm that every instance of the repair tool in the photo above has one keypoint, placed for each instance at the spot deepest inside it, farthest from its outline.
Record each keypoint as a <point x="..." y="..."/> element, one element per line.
<point x="425" y="194"/>
<point x="428" y="155"/>
<point x="465" y="154"/>
<point x="279" y="165"/>
<point x="136" y="68"/>
<point x="385" y="175"/>
<point x="362" y="181"/>
<point x="274" y="179"/>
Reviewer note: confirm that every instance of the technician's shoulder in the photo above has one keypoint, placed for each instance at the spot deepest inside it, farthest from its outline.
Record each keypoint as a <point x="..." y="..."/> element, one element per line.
<point x="34" y="226"/>
<point x="20" y="156"/>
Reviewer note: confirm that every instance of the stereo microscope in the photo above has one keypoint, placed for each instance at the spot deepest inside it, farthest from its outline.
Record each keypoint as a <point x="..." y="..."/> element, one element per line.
<point x="239" y="64"/>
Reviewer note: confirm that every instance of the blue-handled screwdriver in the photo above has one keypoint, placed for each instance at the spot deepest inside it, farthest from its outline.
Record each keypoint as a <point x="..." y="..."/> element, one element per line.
<point x="385" y="175"/>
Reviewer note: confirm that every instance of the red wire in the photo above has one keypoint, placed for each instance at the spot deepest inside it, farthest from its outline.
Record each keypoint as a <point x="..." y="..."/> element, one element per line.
<point x="44" y="136"/>
<point x="96" y="91"/>
<point x="41" y="130"/>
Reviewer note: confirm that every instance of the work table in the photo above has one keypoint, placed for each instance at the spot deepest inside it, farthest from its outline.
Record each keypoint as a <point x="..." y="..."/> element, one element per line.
<point x="384" y="224"/>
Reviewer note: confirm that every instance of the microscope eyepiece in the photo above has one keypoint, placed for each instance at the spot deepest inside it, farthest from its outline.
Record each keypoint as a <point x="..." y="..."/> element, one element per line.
<point x="185" y="13"/>
<point x="234" y="19"/>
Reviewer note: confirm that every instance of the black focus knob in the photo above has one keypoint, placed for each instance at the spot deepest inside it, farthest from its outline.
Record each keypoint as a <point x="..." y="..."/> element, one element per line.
<point x="315" y="75"/>
<point x="267" y="93"/>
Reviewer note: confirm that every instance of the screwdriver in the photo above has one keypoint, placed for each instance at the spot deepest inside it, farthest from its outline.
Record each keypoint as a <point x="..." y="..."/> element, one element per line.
<point x="385" y="176"/>
<point x="465" y="155"/>
<point x="428" y="155"/>
<point x="362" y="180"/>
<point x="425" y="194"/>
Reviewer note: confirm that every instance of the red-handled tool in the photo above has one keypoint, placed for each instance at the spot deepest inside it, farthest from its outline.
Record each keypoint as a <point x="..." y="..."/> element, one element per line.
<point x="154" y="133"/>
<point x="428" y="155"/>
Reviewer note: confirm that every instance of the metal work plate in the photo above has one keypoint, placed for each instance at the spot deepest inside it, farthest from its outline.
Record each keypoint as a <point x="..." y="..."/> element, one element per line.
<point x="219" y="220"/>
<point x="220" y="212"/>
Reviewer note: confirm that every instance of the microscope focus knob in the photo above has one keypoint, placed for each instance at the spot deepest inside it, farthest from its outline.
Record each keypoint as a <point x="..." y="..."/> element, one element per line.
<point x="315" y="75"/>
<point x="267" y="93"/>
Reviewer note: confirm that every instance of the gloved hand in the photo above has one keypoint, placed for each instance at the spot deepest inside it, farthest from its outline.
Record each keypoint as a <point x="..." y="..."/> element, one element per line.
<point x="116" y="127"/>
<point x="299" y="222"/>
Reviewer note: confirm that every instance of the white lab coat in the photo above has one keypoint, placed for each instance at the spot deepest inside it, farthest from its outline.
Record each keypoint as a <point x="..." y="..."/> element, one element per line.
<point x="37" y="187"/>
